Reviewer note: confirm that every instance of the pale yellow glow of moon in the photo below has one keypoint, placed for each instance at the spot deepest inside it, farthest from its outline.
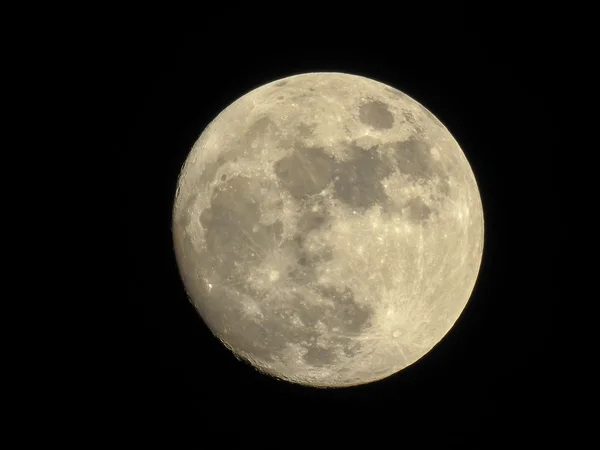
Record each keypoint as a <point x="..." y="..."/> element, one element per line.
<point x="328" y="229"/>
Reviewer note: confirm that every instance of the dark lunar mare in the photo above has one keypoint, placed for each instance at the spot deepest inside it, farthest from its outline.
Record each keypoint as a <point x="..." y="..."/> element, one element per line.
<point x="305" y="172"/>
<point x="357" y="181"/>
<point x="229" y="223"/>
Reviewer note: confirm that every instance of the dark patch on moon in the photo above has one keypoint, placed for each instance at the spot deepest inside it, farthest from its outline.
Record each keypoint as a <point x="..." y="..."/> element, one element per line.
<point x="307" y="171"/>
<point x="259" y="129"/>
<point x="357" y="181"/>
<point x="281" y="83"/>
<point x="280" y="97"/>
<point x="305" y="130"/>
<point x="444" y="185"/>
<point x="235" y="198"/>
<point x="417" y="210"/>
<point x="351" y="347"/>
<point x="307" y="259"/>
<point x="376" y="114"/>
<point x="209" y="173"/>
<point x="342" y="296"/>
<point x="412" y="157"/>
<point x="347" y="315"/>
<point x="230" y="225"/>
<point x="312" y="220"/>
<point x="319" y="356"/>
<point x="310" y="314"/>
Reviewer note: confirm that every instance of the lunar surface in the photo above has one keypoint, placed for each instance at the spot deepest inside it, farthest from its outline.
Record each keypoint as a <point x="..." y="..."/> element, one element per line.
<point x="328" y="229"/>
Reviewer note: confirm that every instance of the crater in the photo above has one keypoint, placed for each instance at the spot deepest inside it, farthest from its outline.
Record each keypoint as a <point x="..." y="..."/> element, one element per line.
<point x="306" y="172"/>
<point x="357" y="182"/>
<point x="376" y="114"/>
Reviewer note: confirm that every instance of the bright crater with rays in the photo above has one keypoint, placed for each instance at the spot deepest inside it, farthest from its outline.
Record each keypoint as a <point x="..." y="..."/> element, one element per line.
<point x="328" y="229"/>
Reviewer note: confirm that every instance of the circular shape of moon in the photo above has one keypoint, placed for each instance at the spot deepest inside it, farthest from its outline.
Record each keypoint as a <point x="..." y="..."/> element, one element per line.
<point x="328" y="229"/>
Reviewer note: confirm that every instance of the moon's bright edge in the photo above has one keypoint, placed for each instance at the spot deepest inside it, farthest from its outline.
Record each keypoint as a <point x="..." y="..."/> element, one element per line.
<point x="328" y="229"/>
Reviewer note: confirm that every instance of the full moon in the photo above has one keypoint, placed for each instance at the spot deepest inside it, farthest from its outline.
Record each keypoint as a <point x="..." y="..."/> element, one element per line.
<point x="328" y="229"/>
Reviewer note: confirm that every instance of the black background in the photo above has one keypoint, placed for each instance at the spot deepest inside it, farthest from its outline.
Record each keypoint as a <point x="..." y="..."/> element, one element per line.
<point x="482" y="74"/>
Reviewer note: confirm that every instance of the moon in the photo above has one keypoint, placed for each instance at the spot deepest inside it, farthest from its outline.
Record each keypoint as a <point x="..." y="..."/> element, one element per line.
<point x="328" y="229"/>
